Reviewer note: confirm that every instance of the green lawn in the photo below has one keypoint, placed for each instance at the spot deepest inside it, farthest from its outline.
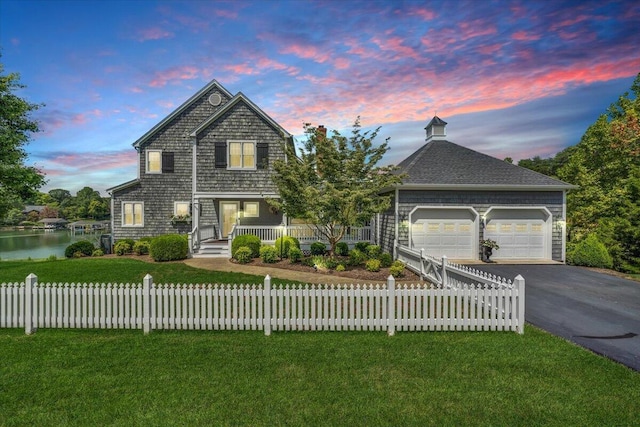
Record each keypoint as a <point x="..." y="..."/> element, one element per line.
<point x="117" y="270"/>
<point x="70" y="377"/>
<point x="92" y="377"/>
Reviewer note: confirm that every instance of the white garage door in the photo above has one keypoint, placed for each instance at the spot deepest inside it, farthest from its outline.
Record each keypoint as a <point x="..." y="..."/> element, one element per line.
<point x="518" y="239"/>
<point x="453" y="238"/>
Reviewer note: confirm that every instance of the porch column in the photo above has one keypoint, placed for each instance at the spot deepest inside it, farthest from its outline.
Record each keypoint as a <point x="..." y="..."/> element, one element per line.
<point x="195" y="220"/>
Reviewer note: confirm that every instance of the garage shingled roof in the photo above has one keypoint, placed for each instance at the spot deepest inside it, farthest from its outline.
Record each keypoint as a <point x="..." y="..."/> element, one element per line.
<point x="441" y="162"/>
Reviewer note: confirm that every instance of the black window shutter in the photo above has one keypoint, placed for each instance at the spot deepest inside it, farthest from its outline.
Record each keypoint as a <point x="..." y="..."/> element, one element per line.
<point x="221" y="154"/>
<point x="167" y="162"/>
<point x="262" y="159"/>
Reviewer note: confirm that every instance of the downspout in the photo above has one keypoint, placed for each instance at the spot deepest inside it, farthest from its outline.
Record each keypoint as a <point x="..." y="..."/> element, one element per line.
<point x="396" y="225"/>
<point x="563" y="226"/>
<point x="195" y="205"/>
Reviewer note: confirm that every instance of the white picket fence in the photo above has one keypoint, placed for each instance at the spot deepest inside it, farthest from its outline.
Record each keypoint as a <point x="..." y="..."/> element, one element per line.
<point x="147" y="306"/>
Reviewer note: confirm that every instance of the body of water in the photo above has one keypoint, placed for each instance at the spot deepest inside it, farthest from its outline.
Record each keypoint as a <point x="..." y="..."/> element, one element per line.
<point x="37" y="244"/>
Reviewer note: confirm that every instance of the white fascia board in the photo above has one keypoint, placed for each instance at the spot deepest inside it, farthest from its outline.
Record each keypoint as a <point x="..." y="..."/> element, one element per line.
<point x="497" y="187"/>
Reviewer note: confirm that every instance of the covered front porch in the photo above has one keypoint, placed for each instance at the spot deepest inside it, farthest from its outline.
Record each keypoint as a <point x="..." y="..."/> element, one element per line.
<point x="204" y="241"/>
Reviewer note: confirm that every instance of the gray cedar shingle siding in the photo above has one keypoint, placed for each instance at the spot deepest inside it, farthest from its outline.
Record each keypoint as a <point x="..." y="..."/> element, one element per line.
<point x="442" y="173"/>
<point x="240" y="123"/>
<point x="481" y="201"/>
<point x="160" y="191"/>
<point x="172" y="135"/>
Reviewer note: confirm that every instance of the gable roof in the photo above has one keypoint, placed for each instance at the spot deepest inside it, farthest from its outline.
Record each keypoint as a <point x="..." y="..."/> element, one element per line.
<point x="443" y="164"/>
<point x="229" y="105"/>
<point x="180" y="109"/>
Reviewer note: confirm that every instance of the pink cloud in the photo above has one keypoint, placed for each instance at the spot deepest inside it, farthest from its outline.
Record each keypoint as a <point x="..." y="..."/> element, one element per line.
<point x="306" y="52"/>
<point x="65" y="163"/>
<point x="525" y="36"/>
<point x="397" y="46"/>
<point x="153" y="33"/>
<point x="161" y="78"/>
<point x="476" y="28"/>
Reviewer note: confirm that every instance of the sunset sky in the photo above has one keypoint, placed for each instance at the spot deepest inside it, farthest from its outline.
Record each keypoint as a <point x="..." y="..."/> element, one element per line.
<point x="512" y="78"/>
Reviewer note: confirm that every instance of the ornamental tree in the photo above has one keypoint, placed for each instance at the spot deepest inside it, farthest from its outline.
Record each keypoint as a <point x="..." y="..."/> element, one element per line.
<point x="335" y="182"/>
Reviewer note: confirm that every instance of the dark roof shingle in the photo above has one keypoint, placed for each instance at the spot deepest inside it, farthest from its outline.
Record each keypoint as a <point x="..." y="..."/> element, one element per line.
<point x="444" y="163"/>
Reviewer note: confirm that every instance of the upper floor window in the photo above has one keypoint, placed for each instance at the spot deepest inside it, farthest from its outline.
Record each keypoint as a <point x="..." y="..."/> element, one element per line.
<point x="132" y="214"/>
<point x="242" y="155"/>
<point x="159" y="161"/>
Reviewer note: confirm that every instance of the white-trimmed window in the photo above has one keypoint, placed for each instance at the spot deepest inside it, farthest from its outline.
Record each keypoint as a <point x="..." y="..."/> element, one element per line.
<point x="251" y="209"/>
<point x="154" y="161"/>
<point x="133" y="214"/>
<point x="181" y="209"/>
<point x="158" y="161"/>
<point x="242" y="155"/>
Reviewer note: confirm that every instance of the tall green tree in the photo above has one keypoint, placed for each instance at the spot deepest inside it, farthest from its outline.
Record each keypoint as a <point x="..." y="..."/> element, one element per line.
<point x="606" y="166"/>
<point x="335" y="182"/>
<point x="17" y="180"/>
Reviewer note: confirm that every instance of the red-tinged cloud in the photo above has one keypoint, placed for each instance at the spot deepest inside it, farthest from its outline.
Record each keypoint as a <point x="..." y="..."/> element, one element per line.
<point x="306" y="52"/>
<point x="525" y="36"/>
<point x="172" y="75"/>
<point x="73" y="162"/>
<point x="426" y="14"/>
<point x="153" y="33"/>
<point x="397" y="46"/>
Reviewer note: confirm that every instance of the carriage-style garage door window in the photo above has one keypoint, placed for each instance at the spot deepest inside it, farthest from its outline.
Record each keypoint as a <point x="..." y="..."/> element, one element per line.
<point x="242" y="155"/>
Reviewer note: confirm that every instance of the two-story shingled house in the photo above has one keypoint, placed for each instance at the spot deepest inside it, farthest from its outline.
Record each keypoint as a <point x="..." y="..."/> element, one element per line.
<point x="201" y="168"/>
<point x="206" y="169"/>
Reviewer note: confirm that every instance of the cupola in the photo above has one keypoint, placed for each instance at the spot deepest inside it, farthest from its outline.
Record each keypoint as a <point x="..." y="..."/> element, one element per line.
<point x="436" y="129"/>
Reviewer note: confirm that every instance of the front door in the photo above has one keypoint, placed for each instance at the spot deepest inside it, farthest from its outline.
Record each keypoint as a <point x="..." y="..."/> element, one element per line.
<point x="229" y="215"/>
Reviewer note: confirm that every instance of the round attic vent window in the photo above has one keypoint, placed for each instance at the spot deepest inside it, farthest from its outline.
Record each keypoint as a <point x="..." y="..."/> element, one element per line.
<point x="215" y="99"/>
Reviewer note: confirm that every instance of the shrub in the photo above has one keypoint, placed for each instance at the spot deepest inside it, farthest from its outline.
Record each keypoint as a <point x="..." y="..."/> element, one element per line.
<point x="385" y="260"/>
<point x="268" y="254"/>
<point x="97" y="252"/>
<point x="248" y="240"/>
<point x="122" y="247"/>
<point x="318" y="248"/>
<point x="590" y="252"/>
<point x="374" y="251"/>
<point x="52" y="258"/>
<point x="397" y="269"/>
<point x="373" y="265"/>
<point x="331" y="263"/>
<point x="295" y="255"/>
<point x="243" y="255"/>
<point x="169" y="247"/>
<point x="285" y="244"/>
<point x="141" y="247"/>
<point x="362" y="246"/>
<point x="85" y="247"/>
<point x="78" y="254"/>
<point x="318" y="262"/>
<point x="342" y="249"/>
<point x="357" y="257"/>
<point x="340" y="267"/>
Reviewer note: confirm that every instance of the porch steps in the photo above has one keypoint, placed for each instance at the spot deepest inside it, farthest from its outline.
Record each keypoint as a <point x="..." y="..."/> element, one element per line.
<point x="213" y="249"/>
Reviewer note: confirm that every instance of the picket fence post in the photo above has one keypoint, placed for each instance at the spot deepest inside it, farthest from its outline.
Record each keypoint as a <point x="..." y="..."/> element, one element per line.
<point x="443" y="274"/>
<point x="266" y="297"/>
<point x="146" y="303"/>
<point x="29" y="284"/>
<point x="518" y="283"/>
<point x="391" y="305"/>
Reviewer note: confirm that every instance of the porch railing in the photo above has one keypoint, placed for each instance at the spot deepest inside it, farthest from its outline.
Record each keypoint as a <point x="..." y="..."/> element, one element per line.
<point x="304" y="233"/>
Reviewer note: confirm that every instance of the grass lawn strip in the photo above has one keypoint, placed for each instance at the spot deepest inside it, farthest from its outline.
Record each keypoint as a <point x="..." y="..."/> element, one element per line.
<point x="70" y="377"/>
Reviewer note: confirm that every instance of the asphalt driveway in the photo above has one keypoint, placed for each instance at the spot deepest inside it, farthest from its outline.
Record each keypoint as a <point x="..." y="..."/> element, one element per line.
<point x="595" y="310"/>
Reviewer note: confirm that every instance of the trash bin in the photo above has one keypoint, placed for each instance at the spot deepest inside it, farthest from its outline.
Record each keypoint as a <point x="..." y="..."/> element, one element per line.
<point x="105" y="243"/>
